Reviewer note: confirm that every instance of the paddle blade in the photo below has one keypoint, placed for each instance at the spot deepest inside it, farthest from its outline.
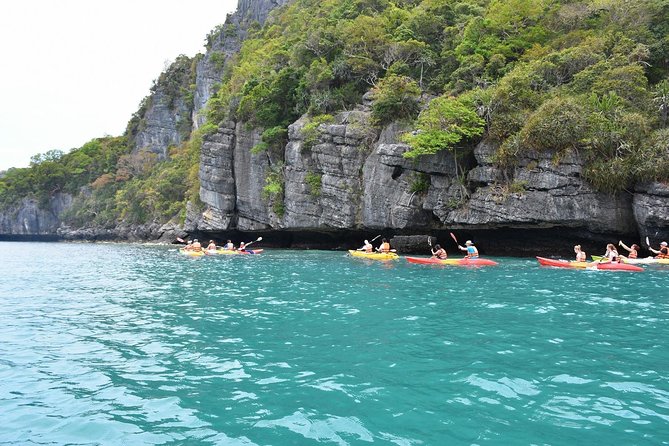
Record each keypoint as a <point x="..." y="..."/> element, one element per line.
<point x="454" y="239"/>
<point x="429" y="240"/>
<point x="180" y="240"/>
<point x="647" y="242"/>
<point x="259" y="239"/>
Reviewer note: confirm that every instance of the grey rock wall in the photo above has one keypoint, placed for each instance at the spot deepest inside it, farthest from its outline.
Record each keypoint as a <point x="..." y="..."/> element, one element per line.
<point x="543" y="190"/>
<point x="28" y="218"/>
<point x="651" y="211"/>
<point x="166" y="123"/>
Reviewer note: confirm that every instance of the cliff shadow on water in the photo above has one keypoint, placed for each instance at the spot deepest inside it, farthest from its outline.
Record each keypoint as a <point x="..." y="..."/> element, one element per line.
<point x="513" y="242"/>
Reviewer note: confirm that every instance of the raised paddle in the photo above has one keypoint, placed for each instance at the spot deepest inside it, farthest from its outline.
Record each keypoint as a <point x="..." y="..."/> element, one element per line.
<point x="454" y="239"/>
<point x="363" y="248"/>
<point x="256" y="240"/>
<point x="647" y="242"/>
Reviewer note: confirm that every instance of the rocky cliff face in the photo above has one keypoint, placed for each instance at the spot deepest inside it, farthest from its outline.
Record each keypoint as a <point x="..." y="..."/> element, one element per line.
<point x="354" y="178"/>
<point x="223" y="43"/>
<point x="165" y="118"/>
<point x="28" y="218"/>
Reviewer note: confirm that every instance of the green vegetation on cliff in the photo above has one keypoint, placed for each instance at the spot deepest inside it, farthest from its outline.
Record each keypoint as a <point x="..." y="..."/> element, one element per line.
<point x="589" y="76"/>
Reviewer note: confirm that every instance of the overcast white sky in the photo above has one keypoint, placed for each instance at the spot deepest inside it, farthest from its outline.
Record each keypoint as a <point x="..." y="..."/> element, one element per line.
<point x="73" y="70"/>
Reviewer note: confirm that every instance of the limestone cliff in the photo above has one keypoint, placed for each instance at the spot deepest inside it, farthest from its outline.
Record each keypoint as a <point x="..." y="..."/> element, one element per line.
<point x="29" y="218"/>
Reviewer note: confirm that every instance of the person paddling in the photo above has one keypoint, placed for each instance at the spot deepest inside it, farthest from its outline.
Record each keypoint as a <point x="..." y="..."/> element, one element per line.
<point x="611" y="254"/>
<point x="242" y="247"/>
<point x="189" y="246"/>
<point x="385" y="246"/>
<point x="439" y="253"/>
<point x="663" y="253"/>
<point x="367" y="247"/>
<point x="580" y="254"/>
<point x="470" y="249"/>
<point x="632" y="250"/>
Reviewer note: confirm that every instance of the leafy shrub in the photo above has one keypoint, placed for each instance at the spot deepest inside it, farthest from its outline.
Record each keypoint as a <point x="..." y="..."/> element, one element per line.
<point x="310" y="133"/>
<point x="559" y="123"/>
<point x="445" y="123"/>
<point x="395" y="98"/>
<point x="314" y="181"/>
<point x="420" y="183"/>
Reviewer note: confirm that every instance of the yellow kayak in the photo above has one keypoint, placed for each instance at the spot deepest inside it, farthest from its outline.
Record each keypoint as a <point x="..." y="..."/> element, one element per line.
<point x="374" y="255"/>
<point x="188" y="252"/>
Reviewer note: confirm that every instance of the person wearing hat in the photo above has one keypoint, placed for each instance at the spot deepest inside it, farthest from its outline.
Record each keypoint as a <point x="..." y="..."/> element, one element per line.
<point x="663" y="253"/>
<point x="470" y="249"/>
<point x="196" y="246"/>
<point x="367" y="247"/>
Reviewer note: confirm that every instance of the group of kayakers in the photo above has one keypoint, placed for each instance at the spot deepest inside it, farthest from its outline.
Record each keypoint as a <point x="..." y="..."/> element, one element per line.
<point x="612" y="255"/>
<point x="437" y="251"/>
<point x="195" y="245"/>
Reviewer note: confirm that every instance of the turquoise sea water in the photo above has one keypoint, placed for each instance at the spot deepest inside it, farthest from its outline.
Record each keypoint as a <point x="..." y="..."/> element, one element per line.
<point x="123" y="344"/>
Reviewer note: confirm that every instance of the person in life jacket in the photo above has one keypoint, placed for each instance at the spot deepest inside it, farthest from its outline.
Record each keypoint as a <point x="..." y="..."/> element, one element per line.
<point x="470" y="249"/>
<point x="211" y="246"/>
<point x="611" y="254"/>
<point x="439" y="253"/>
<point x="242" y="247"/>
<point x="229" y="246"/>
<point x="663" y="253"/>
<point x="633" y="250"/>
<point x="196" y="246"/>
<point x="580" y="254"/>
<point x="385" y="246"/>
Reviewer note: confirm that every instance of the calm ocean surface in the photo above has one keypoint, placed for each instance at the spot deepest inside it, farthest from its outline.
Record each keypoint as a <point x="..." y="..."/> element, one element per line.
<point x="127" y="344"/>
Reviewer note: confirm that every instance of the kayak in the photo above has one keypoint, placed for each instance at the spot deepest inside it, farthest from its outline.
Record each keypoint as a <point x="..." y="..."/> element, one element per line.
<point x="454" y="262"/>
<point x="646" y="261"/>
<point x="228" y="252"/>
<point x="188" y="252"/>
<point x="607" y="266"/>
<point x="374" y="255"/>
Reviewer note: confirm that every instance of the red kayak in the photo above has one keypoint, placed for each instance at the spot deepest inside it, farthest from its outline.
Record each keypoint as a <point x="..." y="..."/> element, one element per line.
<point x="604" y="266"/>
<point x="455" y="262"/>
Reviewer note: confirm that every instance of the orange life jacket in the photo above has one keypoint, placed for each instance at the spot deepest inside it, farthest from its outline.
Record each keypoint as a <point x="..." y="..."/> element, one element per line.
<point x="664" y="254"/>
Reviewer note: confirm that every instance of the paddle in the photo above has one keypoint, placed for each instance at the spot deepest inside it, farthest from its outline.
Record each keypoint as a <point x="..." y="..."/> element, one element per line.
<point x="256" y="240"/>
<point x="647" y="241"/>
<point x="180" y="240"/>
<point x="363" y="248"/>
<point x="454" y="239"/>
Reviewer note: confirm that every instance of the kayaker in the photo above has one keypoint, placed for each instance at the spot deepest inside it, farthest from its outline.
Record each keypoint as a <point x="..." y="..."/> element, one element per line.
<point x="633" y="250"/>
<point x="189" y="246"/>
<point x="611" y="254"/>
<point x="663" y="253"/>
<point x="196" y="246"/>
<point x="367" y="247"/>
<point x="228" y="246"/>
<point x="385" y="246"/>
<point x="211" y="246"/>
<point x="580" y="254"/>
<point x="470" y="249"/>
<point x="439" y="253"/>
<point x="242" y="247"/>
